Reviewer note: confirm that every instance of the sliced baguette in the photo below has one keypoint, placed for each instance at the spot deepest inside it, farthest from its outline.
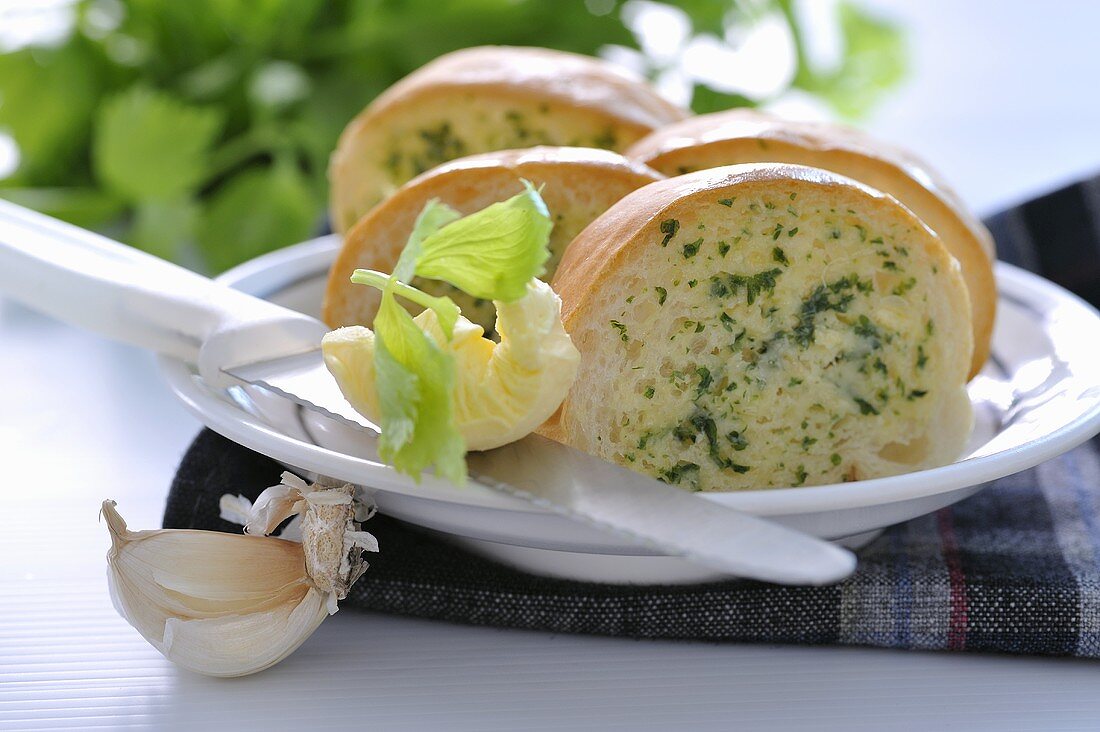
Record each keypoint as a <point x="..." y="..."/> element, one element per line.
<point x="746" y="136"/>
<point x="764" y="325"/>
<point x="483" y="99"/>
<point x="578" y="184"/>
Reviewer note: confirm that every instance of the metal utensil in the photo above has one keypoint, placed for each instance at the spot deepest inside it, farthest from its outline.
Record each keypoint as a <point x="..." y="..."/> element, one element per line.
<point x="90" y="281"/>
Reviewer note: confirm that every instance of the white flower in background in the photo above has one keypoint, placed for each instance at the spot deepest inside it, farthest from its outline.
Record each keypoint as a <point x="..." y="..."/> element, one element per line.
<point x="755" y="57"/>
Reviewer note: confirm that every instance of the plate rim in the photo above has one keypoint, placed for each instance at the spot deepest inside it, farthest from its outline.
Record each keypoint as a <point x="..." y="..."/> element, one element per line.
<point x="259" y="276"/>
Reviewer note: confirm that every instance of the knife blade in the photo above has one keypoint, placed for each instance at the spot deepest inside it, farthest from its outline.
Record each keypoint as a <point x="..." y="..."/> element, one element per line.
<point x="602" y="494"/>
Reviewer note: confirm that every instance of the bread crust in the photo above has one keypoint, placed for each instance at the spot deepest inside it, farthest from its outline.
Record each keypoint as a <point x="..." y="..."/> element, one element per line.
<point x="746" y="136"/>
<point x="466" y="184"/>
<point x="541" y="72"/>
<point x="608" y="241"/>
<point x="599" y="89"/>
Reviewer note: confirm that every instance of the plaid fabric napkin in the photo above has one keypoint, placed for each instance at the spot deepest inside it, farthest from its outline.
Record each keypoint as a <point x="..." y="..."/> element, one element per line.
<point x="1015" y="568"/>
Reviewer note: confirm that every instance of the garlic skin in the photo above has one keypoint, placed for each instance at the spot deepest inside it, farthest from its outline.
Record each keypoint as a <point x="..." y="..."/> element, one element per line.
<point x="329" y="528"/>
<point x="229" y="604"/>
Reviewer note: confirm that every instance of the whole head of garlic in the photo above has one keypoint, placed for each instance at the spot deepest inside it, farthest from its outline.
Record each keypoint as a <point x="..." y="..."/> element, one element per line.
<point x="503" y="391"/>
<point x="229" y="604"/>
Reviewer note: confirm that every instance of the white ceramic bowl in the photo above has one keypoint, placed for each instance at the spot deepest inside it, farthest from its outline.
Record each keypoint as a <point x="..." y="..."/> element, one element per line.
<point x="1038" y="397"/>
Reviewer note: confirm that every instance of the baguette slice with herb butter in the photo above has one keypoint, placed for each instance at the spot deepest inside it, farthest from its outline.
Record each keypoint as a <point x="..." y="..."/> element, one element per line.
<point x="764" y="325"/>
<point x="484" y="99"/>
<point x="578" y="185"/>
<point x="746" y="136"/>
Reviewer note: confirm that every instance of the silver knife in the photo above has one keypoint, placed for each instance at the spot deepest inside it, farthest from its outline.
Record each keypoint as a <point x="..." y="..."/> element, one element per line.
<point x="90" y="281"/>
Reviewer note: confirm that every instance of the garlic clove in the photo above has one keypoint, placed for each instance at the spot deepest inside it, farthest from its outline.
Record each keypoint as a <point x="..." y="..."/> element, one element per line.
<point x="236" y="645"/>
<point x="219" y="604"/>
<point x="176" y="562"/>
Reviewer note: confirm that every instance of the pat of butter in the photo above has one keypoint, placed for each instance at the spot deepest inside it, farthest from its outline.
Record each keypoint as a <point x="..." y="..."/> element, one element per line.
<point x="503" y="391"/>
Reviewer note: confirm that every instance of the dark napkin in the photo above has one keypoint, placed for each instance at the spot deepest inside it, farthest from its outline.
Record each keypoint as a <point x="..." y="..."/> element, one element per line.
<point x="1015" y="568"/>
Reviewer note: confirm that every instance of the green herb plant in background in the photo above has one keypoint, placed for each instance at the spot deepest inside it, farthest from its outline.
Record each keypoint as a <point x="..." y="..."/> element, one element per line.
<point x="200" y="131"/>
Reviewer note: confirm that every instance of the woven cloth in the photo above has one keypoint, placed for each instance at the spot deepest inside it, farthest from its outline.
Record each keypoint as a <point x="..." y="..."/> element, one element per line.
<point x="1014" y="569"/>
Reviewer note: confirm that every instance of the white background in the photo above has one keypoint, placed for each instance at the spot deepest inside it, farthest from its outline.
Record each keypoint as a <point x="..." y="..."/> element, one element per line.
<point x="1002" y="100"/>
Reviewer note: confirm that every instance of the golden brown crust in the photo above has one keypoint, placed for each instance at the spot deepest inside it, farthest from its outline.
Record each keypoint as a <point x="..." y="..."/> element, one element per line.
<point x="607" y="241"/>
<point x="747" y="136"/>
<point x="569" y="77"/>
<point x="594" y="91"/>
<point x="468" y="184"/>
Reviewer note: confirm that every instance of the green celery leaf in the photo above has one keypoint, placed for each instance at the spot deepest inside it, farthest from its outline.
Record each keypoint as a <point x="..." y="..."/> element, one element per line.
<point x="432" y="218"/>
<point x="150" y="146"/>
<point x="445" y="309"/>
<point x="494" y="253"/>
<point x="398" y="397"/>
<point x="415" y="381"/>
<point x="259" y="210"/>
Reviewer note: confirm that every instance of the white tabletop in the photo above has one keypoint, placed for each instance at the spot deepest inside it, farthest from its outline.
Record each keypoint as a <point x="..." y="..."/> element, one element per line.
<point x="82" y="419"/>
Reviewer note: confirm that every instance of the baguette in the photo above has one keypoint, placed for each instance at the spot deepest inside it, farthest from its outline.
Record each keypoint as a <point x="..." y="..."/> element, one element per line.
<point x="764" y="325"/>
<point x="745" y="136"/>
<point x="484" y="99"/>
<point x="578" y="185"/>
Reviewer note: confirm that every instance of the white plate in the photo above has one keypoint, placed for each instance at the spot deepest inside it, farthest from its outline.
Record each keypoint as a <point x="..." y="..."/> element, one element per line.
<point x="1038" y="397"/>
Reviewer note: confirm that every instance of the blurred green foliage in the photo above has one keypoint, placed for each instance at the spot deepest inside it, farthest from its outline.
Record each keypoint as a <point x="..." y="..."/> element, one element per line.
<point x="201" y="130"/>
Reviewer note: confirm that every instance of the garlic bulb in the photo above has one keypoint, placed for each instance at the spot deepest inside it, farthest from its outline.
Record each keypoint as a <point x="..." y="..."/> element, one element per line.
<point x="229" y="604"/>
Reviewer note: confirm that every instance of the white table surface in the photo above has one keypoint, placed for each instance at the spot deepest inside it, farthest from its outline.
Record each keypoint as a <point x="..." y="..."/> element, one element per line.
<point x="82" y="419"/>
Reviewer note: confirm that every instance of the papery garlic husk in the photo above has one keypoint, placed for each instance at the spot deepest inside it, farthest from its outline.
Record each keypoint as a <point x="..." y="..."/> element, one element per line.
<point x="228" y="604"/>
<point x="329" y="527"/>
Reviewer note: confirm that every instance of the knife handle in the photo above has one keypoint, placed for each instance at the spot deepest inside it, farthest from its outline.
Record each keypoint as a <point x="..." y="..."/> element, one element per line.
<point x="89" y="281"/>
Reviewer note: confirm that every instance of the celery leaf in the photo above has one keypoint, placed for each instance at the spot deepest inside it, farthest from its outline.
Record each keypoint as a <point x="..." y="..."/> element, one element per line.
<point x="445" y="309"/>
<point x="494" y="253"/>
<point x="432" y="218"/>
<point x="415" y="385"/>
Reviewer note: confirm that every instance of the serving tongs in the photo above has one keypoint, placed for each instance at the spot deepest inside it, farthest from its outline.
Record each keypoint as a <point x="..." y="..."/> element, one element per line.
<point x="233" y="338"/>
